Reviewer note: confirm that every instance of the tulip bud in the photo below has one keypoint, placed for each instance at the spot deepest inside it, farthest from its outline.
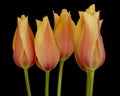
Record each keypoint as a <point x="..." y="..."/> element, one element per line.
<point x="64" y="30"/>
<point x="89" y="49"/>
<point x="47" y="51"/>
<point x="23" y="44"/>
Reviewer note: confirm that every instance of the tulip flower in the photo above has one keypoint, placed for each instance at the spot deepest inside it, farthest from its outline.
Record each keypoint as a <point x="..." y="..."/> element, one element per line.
<point x="23" y="47"/>
<point x="46" y="48"/>
<point x="63" y="30"/>
<point x="89" y="48"/>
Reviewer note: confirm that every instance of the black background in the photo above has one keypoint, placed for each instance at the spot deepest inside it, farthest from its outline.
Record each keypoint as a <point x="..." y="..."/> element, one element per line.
<point x="74" y="79"/>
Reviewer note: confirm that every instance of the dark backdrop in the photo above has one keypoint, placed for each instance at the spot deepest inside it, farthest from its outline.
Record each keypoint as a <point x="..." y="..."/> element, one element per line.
<point x="11" y="76"/>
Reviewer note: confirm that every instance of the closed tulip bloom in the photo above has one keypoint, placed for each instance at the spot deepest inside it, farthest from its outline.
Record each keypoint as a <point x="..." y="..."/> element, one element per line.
<point x="23" y="44"/>
<point x="89" y="48"/>
<point x="64" y="30"/>
<point x="47" y="51"/>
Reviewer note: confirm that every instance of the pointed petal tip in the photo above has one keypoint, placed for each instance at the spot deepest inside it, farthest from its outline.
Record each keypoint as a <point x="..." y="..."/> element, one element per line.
<point x="23" y="16"/>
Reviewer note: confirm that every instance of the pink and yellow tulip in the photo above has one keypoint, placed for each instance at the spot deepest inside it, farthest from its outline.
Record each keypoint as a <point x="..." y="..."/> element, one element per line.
<point x="23" y="44"/>
<point x="64" y="30"/>
<point x="89" y="48"/>
<point x="46" y="49"/>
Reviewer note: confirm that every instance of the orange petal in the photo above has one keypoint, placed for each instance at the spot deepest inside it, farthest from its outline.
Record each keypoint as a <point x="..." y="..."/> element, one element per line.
<point x="91" y="9"/>
<point x="78" y="34"/>
<point x="56" y="19"/>
<point x="101" y="51"/>
<point x="14" y="40"/>
<point x="18" y="48"/>
<point x="80" y="63"/>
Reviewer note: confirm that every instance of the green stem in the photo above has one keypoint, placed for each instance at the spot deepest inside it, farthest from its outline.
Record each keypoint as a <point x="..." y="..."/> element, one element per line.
<point x="47" y="75"/>
<point x="90" y="82"/>
<point x="60" y="78"/>
<point x="27" y="81"/>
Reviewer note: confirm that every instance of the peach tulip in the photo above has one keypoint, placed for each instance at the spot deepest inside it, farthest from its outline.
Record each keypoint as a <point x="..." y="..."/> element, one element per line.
<point x="23" y="44"/>
<point x="64" y="30"/>
<point x="46" y="49"/>
<point x="89" y="48"/>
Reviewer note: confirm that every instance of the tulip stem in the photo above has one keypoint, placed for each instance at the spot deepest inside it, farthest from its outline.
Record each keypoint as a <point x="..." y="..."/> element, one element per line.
<point x="47" y="75"/>
<point x="27" y="81"/>
<point x="60" y="78"/>
<point x="90" y="82"/>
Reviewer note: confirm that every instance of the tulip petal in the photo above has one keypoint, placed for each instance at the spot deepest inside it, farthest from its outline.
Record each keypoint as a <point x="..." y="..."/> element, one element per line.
<point x="17" y="47"/>
<point x="96" y="55"/>
<point x="91" y="9"/>
<point x="102" y="51"/>
<point x="14" y="40"/>
<point x="80" y="63"/>
<point x="78" y="39"/>
<point x="96" y="15"/>
<point x="78" y="34"/>
<point x="56" y="19"/>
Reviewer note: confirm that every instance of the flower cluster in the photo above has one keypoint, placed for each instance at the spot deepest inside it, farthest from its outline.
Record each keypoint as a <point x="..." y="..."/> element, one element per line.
<point x="49" y="46"/>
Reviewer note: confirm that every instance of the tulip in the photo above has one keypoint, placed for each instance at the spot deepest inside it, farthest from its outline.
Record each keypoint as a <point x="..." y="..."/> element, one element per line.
<point x="23" y="48"/>
<point x="89" y="49"/>
<point x="64" y="31"/>
<point x="46" y="49"/>
<point x="23" y="44"/>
